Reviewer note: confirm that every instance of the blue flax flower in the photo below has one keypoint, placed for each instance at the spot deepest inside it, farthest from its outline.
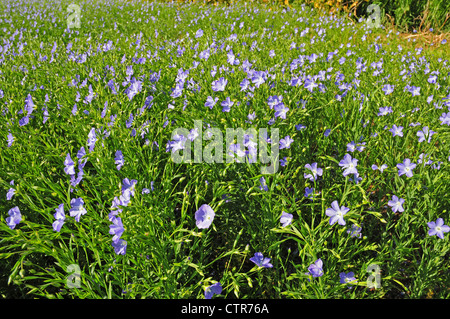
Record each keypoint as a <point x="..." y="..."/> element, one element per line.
<point x="314" y="171"/>
<point x="130" y="185"/>
<point x="24" y="120"/>
<point x="261" y="261"/>
<point x="69" y="168"/>
<point x="388" y="89"/>
<point x="337" y="213"/>
<point x="347" y="278"/>
<point x="92" y="138"/>
<point x="381" y="168"/>
<point x="10" y="193"/>
<point x="125" y="198"/>
<point x="445" y="119"/>
<point x="135" y="88"/>
<point x="425" y="134"/>
<point x="349" y="164"/>
<point x="286" y="142"/>
<point x="406" y="168"/>
<point x="396" y="204"/>
<point x="77" y="209"/>
<point x="263" y="186"/>
<point x="199" y="33"/>
<point x="210" y="101"/>
<point x="438" y="228"/>
<point x="280" y="111"/>
<point x="14" y="217"/>
<point x="384" y="111"/>
<point x="120" y="247"/>
<point x="81" y="152"/>
<point x="11" y="138"/>
<point x="309" y="193"/>
<point x="204" y="216"/>
<point x="60" y="217"/>
<point x="116" y="228"/>
<point x="286" y="219"/>
<point x="227" y="104"/>
<point x="119" y="160"/>
<point x="396" y="130"/>
<point x="214" y="289"/>
<point x="219" y="85"/>
<point x="355" y="231"/>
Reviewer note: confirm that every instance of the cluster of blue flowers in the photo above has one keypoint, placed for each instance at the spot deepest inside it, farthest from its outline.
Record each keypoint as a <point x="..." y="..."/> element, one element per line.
<point x="116" y="228"/>
<point x="317" y="74"/>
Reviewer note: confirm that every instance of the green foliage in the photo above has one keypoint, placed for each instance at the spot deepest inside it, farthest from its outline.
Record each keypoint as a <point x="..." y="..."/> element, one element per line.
<point x="167" y="255"/>
<point x="406" y="15"/>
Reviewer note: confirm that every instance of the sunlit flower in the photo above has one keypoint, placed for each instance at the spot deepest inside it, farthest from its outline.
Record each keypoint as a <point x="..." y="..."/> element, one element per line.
<point x="316" y="269"/>
<point x="337" y="213"/>
<point x="14" y="217"/>
<point x="204" y="216"/>
<point x="438" y="228"/>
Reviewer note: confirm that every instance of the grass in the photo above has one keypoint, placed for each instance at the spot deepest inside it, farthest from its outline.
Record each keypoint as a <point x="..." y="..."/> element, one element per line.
<point x="167" y="255"/>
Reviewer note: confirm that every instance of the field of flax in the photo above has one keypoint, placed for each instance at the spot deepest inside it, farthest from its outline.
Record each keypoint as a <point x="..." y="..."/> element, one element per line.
<point x="94" y="95"/>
